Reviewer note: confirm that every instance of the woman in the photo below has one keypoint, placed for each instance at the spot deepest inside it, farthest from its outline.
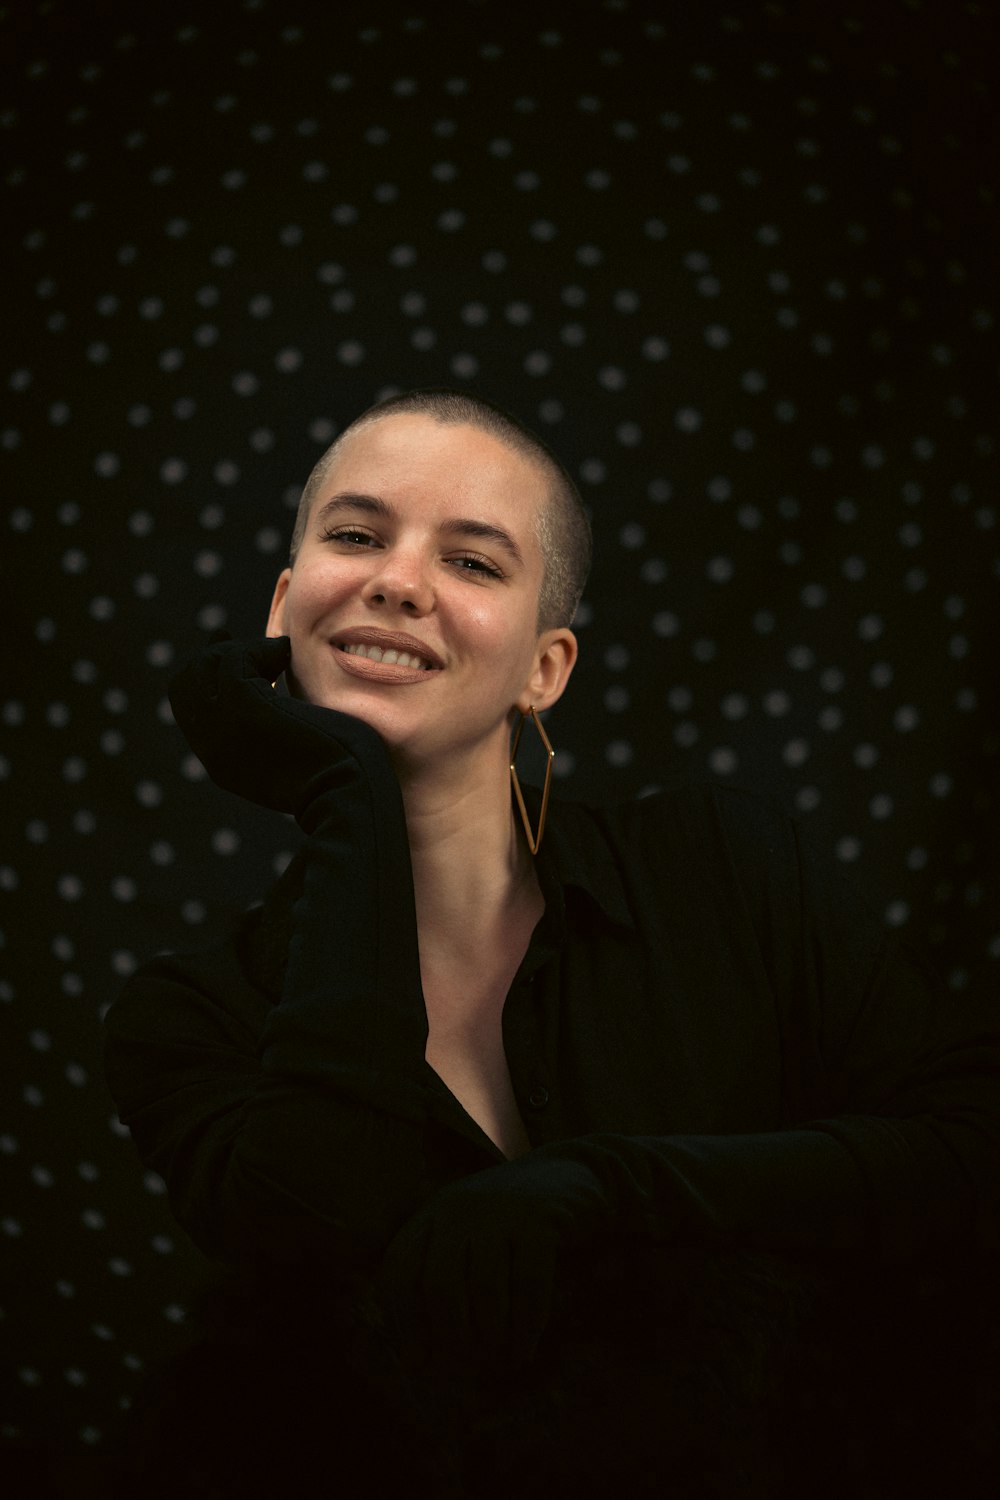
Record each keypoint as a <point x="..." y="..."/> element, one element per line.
<point x="473" y="1060"/>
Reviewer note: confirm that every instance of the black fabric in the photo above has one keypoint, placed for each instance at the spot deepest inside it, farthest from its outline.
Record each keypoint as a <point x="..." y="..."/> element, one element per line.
<point x="668" y="1371"/>
<point x="747" y="1093"/>
<point x="741" y="1059"/>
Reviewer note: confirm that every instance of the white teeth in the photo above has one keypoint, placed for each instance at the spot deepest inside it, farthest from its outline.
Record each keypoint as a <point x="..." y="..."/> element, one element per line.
<point x="390" y="657"/>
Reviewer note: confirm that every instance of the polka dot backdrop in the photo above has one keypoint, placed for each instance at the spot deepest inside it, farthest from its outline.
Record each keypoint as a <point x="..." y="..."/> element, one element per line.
<point x="738" y="269"/>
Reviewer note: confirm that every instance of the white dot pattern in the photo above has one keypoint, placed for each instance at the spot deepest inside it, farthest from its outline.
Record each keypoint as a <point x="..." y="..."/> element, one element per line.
<point x="739" y="276"/>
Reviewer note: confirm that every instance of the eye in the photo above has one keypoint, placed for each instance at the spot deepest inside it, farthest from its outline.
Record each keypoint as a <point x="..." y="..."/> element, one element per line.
<point x="472" y="562"/>
<point x="351" y="535"/>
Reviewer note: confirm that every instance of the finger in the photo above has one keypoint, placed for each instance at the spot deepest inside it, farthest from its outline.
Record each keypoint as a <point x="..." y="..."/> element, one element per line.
<point x="269" y="657"/>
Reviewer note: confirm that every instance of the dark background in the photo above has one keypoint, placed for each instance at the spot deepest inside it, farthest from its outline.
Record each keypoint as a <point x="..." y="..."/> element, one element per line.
<point x="737" y="267"/>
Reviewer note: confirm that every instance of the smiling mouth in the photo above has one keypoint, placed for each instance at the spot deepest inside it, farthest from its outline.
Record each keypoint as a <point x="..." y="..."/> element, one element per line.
<point x="390" y="657"/>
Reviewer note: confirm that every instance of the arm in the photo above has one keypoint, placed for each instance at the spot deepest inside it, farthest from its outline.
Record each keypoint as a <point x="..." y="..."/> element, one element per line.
<point x="891" y="1141"/>
<point x="890" y="1116"/>
<point x="298" y="1128"/>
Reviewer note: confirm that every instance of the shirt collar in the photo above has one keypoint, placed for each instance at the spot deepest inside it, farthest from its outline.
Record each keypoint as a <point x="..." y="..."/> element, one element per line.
<point x="576" y="854"/>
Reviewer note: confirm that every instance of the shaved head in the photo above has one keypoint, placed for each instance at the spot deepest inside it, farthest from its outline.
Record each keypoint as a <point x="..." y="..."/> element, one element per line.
<point x="563" y="529"/>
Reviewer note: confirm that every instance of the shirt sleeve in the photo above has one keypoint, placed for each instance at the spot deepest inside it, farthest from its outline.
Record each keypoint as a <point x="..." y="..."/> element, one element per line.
<point x="890" y="1144"/>
<point x="299" y="1128"/>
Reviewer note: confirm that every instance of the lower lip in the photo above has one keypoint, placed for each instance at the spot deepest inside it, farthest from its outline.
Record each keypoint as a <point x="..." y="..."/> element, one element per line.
<point x="380" y="671"/>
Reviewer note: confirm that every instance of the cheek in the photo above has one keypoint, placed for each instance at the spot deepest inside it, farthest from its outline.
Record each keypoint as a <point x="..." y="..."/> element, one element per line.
<point x="482" y="619"/>
<point x="505" y="646"/>
<point x="312" y="593"/>
<point x="496" y="616"/>
<point x="489" y="635"/>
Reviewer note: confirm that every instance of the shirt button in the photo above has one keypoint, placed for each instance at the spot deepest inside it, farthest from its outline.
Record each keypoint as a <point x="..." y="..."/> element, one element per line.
<point x="538" y="1098"/>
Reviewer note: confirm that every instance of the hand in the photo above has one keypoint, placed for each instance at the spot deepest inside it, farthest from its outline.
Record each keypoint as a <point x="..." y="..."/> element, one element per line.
<point x="256" y="742"/>
<point x="475" y="1271"/>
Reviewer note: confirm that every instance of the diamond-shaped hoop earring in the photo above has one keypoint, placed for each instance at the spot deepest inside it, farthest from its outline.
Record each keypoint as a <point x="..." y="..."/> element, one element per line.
<point x="534" y="839"/>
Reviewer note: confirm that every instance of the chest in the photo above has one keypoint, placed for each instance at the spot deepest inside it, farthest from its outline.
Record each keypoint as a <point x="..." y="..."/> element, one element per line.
<point x="668" y="1028"/>
<point x="465" y="988"/>
<point x="628" y="1034"/>
<point x="471" y="1061"/>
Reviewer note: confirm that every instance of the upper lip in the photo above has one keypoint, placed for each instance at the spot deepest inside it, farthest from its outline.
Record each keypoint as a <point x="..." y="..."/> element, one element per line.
<point x="388" y="640"/>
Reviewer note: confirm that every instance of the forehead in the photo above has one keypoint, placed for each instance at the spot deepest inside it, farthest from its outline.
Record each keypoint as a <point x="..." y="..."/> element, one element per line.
<point x="412" y="458"/>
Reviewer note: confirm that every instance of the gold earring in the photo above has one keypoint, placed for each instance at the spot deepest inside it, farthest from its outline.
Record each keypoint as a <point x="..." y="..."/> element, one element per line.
<point x="534" y="840"/>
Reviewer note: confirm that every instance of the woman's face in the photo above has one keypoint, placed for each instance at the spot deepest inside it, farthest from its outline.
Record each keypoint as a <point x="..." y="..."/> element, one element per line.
<point x="413" y="601"/>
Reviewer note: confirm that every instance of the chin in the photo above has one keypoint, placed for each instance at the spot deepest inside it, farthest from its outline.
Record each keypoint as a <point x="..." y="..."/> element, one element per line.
<point x="359" y="705"/>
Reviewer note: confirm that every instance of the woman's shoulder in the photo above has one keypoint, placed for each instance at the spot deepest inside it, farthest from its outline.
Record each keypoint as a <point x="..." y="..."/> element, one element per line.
<point x="695" y="815"/>
<point x="703" y="842"/>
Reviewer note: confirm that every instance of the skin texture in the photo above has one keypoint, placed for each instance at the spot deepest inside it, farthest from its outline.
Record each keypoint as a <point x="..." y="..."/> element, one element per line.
<point x="410" y="571"/>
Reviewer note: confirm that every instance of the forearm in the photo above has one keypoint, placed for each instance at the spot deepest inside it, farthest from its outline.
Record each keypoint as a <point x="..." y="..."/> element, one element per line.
<point x="288" y="1117"/>
<point x="263" y="1162"/>
<point x="352" y="1012"/>
<point x="878" y="1186"/>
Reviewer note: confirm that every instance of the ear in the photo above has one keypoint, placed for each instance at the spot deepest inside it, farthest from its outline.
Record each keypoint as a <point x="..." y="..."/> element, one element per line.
<point x="276" y="617"/>
<point x="554" y="661"/>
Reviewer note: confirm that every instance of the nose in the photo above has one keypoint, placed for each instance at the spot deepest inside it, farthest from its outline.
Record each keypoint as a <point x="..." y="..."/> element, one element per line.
<point x="400" y="581"/>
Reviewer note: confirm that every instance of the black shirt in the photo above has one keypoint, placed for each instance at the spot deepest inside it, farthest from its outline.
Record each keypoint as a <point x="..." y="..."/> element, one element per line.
<point x="735" y="1049"/>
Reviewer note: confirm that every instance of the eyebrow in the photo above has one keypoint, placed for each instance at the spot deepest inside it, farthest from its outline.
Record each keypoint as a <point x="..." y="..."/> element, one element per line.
<point x="373" y="505"/>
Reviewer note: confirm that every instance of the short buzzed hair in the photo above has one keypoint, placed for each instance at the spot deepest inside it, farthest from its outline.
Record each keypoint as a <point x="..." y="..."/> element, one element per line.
<point x="563" y="528"/>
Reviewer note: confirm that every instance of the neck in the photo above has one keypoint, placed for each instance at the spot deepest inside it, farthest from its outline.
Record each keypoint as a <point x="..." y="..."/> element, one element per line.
<point x="470" y="861"/>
